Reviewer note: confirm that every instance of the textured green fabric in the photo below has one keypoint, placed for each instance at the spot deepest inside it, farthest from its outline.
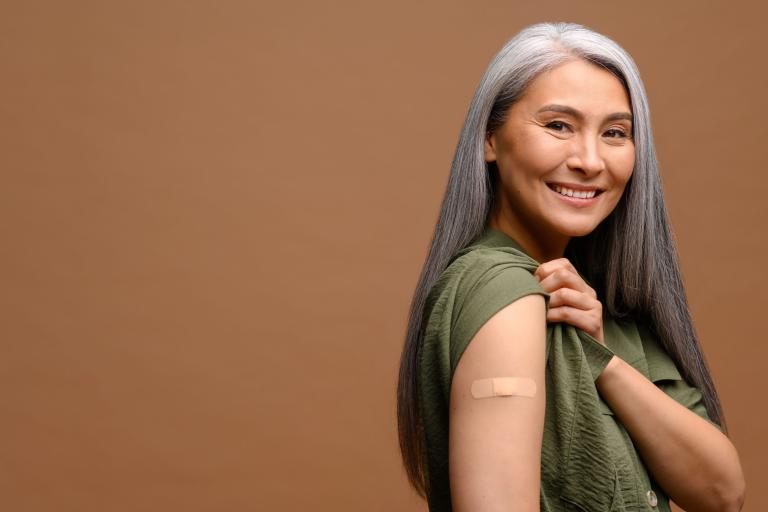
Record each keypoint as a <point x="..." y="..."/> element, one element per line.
<point x="588" y="461"/>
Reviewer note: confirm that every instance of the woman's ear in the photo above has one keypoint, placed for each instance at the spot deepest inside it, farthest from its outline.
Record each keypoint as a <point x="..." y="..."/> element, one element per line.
<point x="489" y="146"/>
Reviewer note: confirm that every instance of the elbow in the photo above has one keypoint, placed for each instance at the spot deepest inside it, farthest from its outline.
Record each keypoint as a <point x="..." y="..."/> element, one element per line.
<point x="732" y="486"/>
<point x="737" y="502"/>
<point x="732" y="497"/>
<point x="733" y="505"/>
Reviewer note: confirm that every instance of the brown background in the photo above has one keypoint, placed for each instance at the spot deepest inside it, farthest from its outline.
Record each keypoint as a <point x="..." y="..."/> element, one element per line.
<point x="214" y="213"/>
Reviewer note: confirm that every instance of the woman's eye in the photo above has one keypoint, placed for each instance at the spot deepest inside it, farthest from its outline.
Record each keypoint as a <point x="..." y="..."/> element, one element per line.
<point x="620" y="134"/>
<point x="555" y="125"/>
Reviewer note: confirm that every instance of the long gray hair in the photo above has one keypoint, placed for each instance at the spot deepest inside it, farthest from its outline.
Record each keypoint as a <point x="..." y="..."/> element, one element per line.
<point x="630" y="258"/>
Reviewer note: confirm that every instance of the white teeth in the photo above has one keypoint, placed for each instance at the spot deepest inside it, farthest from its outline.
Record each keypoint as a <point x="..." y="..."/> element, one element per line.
<point x="582" y="194"/>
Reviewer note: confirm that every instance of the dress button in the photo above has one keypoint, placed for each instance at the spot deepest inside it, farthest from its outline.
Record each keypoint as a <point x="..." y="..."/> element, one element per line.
<point x="651" y="498"/>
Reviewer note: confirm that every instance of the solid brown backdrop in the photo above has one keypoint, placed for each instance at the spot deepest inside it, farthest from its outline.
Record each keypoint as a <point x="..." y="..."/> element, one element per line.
<point x="214" y="213"/>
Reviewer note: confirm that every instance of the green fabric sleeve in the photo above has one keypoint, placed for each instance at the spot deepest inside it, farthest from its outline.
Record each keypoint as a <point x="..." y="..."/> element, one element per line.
<point x="598" y="354"/>
<point x="498" y="287"/>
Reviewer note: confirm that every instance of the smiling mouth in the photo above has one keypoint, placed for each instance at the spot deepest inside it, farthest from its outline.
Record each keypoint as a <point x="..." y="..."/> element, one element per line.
<point x="574" y="193"/>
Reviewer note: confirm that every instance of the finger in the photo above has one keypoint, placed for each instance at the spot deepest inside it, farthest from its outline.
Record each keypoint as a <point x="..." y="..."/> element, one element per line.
<point x="574" y="298"/>
<point x="562" y="277"/>
<point x="548" y="267"/>
<point x="584" y="320"/>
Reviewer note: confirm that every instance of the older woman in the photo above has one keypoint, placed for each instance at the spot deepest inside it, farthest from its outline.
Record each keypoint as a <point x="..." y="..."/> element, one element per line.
<point x="550" y="362"/>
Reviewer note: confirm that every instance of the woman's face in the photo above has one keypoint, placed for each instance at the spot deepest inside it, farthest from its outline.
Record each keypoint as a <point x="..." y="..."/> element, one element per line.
<point x="572" y="128"/>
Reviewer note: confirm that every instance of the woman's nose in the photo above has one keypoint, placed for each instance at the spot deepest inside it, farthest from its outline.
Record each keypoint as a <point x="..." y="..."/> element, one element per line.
<point x="586" y="156"/>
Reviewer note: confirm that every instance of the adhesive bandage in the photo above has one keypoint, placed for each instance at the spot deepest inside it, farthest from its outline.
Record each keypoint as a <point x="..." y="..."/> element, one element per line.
<point x="503" y="386"/>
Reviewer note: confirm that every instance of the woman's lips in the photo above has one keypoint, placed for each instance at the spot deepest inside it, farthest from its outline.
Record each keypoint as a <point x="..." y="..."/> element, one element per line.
<point x="576" y="201"/>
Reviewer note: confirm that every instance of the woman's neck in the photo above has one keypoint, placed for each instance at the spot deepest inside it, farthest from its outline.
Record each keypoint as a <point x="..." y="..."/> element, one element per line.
<point x="540" y="250"/>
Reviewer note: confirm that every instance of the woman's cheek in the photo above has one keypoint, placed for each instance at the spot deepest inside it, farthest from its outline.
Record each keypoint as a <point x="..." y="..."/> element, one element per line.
<point x="627" y="163"/>
<point x="543" y="155"/>
<point x="539" y="151"/>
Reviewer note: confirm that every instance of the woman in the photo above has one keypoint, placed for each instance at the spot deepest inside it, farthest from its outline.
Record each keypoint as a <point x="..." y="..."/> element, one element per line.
<point x="550" y="361"/>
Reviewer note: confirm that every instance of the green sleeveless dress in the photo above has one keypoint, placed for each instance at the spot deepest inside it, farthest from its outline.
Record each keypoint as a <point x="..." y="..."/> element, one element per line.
<point x="588" y="460"/>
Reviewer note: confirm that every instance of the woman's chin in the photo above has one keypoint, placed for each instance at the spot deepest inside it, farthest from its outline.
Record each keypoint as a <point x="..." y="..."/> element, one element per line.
<point x="576" y="229"/>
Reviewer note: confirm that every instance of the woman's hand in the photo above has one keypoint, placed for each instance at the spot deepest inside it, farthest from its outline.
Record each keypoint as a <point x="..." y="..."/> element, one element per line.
<point x="571" y="299"/>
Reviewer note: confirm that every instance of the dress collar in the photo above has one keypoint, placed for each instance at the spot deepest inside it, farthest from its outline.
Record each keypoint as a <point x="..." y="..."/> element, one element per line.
<point x="492" y="237"/>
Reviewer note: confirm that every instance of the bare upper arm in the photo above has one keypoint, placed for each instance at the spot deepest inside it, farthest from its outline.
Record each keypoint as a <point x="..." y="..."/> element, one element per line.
<point x="495" y="443"/>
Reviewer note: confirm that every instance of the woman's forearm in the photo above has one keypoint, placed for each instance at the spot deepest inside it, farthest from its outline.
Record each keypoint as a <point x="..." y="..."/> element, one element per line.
<point x="695" y="463"/>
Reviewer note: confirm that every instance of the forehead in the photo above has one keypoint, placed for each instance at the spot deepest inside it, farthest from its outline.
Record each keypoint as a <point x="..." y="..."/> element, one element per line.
<point x="579" y="84"/>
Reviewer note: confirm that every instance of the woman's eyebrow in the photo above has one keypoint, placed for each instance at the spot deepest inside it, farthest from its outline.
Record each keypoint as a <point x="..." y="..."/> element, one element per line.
<point x="578" y="115"/>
